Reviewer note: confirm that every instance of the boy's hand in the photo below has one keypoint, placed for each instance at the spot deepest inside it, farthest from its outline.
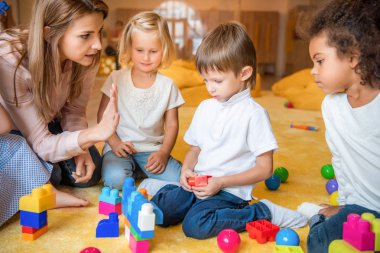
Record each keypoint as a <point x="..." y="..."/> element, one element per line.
<point x="156" y="163"/>
<point x="123" y="149"/>
<point x="329" y="210"/>
<point x="213" y="187"/>
<point x="185" y="174"/>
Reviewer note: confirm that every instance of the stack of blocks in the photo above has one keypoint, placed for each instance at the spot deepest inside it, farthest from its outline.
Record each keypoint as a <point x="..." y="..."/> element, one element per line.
<point x="360" y="234"/>
<point x="33" y="211"/>
<point x="138" y="214"/>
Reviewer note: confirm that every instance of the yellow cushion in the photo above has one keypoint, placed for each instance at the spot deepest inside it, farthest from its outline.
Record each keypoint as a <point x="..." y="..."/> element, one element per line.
<point x="301" y="90"/>
<point x="184" y="74"/>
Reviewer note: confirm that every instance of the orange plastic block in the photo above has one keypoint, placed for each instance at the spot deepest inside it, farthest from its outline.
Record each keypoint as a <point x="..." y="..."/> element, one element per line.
<point x="262" y="230"/>
<point x="41" y="199"/>
<point x="34" y="236"/>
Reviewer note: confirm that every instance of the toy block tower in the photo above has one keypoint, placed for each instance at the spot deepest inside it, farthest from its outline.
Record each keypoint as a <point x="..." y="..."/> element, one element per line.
<point x="33" y="211"/>
<point x="109" y="201"/>
<point x="140" y="217"/>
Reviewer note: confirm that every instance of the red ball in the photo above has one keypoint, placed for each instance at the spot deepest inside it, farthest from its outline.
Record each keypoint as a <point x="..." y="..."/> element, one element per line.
<point x="90" y="250"/>
<point x="228" y="241"/>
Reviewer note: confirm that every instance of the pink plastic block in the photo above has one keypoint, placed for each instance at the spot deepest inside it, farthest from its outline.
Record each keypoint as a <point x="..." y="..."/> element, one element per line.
<point x="138" y="246"/>
<point x="357" y="232"/>
<point x="262" y="230"/>
<point x="107" y="208"/>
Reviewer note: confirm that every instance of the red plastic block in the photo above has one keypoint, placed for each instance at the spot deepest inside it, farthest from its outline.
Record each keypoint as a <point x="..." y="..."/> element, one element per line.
<point x="357" y="232"/>
<point x="198" y="180"/>
<point x="262" y="230"/>
<point x="28" y="230"/>
<point x="34" y="236"/>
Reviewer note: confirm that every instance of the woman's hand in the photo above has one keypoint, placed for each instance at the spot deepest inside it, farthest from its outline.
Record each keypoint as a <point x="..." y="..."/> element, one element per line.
<point x="213" y="187"/>
<point x="156" y="163"/>
<point x="85" y="167"/>
<point x="110" y="119"/>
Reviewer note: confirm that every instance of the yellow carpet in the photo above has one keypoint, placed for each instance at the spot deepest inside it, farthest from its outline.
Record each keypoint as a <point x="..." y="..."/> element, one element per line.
<point x="301" y="152"/>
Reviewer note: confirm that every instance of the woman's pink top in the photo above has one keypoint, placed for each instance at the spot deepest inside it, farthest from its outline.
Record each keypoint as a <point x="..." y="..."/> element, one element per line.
<point x="25" y="118"/>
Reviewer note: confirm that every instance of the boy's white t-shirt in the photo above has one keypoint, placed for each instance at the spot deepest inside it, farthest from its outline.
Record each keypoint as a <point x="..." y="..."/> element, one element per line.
<point x="142" y="110"/>
<point x="353" y="136"/>
<point x="230" y="135"/>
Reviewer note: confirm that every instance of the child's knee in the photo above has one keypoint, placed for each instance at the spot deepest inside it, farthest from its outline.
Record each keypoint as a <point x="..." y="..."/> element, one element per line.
<point x="192" y="229"/>
<point x="114" y="178"/>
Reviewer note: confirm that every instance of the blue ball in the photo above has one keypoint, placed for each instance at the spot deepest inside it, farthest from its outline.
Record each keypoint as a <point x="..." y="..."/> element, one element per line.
<point x="287" y="237"/>
<point x="273" y="182"/>
<point x="331" y="186"/>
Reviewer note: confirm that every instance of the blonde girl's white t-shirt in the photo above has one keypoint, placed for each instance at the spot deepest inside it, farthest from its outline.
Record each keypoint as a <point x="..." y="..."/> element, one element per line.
<point x="353" y="136"/>
<point x="230" y="135"/>
<point x="142" y="110"/>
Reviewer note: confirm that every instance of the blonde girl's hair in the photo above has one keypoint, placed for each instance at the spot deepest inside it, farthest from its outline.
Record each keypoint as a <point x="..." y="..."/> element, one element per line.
<point x="147" y="22"/>
<point x="227" y="48"/>
<point x="42" y="51"/>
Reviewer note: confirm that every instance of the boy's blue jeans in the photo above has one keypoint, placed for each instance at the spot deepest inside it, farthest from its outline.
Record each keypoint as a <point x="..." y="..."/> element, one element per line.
<point x="115" y="168"/>
<point x="323" y="231"/>
<point x="203" y="219"/>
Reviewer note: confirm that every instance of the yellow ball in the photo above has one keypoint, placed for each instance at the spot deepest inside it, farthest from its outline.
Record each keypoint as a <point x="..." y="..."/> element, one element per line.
<point x="334" y="199"/>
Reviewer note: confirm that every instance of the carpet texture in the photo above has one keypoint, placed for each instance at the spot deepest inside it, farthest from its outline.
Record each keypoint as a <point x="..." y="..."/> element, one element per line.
<point x="302" y="152"/>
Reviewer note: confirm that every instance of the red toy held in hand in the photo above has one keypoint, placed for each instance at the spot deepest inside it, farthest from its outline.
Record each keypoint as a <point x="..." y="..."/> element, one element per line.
<point x="198" y="180"/>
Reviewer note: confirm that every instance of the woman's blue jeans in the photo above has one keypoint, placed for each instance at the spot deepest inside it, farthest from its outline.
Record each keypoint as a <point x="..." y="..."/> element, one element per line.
<point x="203" y="219"/>
<point x="323" y="231"/>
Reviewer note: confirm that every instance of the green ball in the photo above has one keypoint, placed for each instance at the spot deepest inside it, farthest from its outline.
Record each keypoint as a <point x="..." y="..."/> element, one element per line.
<point x="282" y="173"/>
<point x="327" y="171"/>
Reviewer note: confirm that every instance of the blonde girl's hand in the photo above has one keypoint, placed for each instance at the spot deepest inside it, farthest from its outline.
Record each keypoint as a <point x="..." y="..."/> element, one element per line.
<point x="123" y="148"/>
<point x="110" y="120"/>
<point x="329" y="210"/>
<point x="213" y="187"/>
<point x="185" y="174"/>
<point x="156" y="162"/>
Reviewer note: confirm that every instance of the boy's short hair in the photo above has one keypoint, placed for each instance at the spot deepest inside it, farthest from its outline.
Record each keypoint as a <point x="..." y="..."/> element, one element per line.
<point x="147" y="21"/>
<point x="227" y="48"/>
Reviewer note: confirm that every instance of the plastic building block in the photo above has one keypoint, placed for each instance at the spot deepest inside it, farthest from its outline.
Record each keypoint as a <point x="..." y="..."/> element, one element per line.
<point x="138" y="246"/>
<point x="158" y="213"/>
<point x="262" y="230"/>
<point x="341" y="246"/>
<point x="128" y="188"/>
<point x="34" y="236"/>
<point x="3" y="7"/>
<point x="288" y="249"/>
<point x="304" y="127"/>
<point x="198" y="180"/>
<point x="107" y="208"/>
<point x="146" y="218"/>
<point x="41" y="199"/>
<point x="141" y="235"/>
<point x="28" y="230"/>
<point x="108" y="227"/>
<point x="357" y="232"/>
<point x="110" y="196"/>
<point x="34" y="220"/>
<point x="144" y="192"/>
<point x="127" y="232"/>
<point x="375" y="227"/>
<point x="287" y="237"/>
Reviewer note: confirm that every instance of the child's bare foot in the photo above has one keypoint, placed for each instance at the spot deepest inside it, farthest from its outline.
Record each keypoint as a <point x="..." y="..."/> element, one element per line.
<point x="64" y="199"/>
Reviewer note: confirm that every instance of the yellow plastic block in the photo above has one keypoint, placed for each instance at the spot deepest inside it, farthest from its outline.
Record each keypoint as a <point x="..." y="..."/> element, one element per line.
<point x="38" y="233"/>
<point x="375" y="227"/>
<point x="288" y="249"/>
<point x="41" y="199"/>
<point x="340" y="246"/>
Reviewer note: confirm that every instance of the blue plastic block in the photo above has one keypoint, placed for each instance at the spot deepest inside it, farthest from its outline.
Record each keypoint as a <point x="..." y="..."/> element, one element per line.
<point x="141" y="235"/>
<point x="108" y="227"/>
<point x="33" y="220"/>
<point x="159" y="215"/>
<point x="128" y="188"/>
<point x="110" y="196"/>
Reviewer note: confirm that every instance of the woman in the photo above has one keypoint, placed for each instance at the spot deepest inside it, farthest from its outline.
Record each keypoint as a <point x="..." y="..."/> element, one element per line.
<point x="46" y="74"/>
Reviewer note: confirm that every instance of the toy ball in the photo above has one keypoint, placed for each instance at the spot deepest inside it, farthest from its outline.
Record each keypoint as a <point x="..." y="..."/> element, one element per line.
<point x="228" y="241"/>
<point x="331" y="186"/>
<point x="287" y="237"/>
<point x="90" y="250"/>
<point x="327" y="171"/>
<point x="273" y="182"/>
<point x="288" y="104"/>
<point x="334" y="198"/>
<point x="282" y="173"/>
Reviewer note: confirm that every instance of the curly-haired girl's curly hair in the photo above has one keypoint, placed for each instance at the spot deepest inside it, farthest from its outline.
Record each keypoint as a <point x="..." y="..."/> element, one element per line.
<point x="351" y="25"/>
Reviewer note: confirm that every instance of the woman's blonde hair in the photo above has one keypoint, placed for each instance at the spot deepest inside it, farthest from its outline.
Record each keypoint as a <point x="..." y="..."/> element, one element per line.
<point x="41" y="50"/>
<point x="147" y="22"/>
